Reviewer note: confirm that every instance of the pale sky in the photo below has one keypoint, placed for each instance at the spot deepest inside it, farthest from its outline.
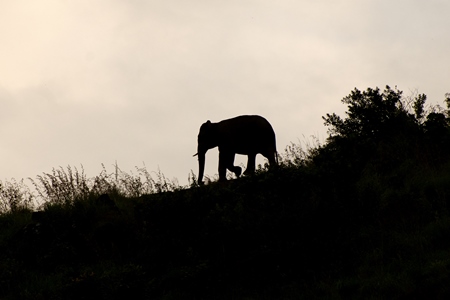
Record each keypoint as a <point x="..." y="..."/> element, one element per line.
<point x="91" y="82"/>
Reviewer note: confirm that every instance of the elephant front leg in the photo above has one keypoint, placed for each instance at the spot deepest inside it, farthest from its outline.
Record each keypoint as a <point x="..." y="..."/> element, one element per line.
<point x="226" y="161"/>
<point x="250" y="164"/>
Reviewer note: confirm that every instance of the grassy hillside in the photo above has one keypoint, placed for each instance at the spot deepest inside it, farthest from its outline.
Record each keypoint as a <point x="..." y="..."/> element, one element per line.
<point x="364" y="216"/>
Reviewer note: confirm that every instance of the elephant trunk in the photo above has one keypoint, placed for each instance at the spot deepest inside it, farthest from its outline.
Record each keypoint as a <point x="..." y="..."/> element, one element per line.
<point x="201" y="167"/>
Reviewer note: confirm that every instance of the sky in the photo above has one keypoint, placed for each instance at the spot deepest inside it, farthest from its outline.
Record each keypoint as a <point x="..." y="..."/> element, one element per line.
<point x="92" y="82"/>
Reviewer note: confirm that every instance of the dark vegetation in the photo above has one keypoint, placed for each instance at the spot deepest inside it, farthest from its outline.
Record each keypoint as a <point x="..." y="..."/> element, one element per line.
<point x="363" y="216"/>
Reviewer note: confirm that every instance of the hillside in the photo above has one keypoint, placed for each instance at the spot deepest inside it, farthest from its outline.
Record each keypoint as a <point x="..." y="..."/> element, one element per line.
<point x="366" y="215"/>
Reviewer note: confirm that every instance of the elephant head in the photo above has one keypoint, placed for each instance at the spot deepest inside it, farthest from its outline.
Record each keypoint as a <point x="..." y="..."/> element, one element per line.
<point x="207" y="139"/>
<point x="246" y="135"/>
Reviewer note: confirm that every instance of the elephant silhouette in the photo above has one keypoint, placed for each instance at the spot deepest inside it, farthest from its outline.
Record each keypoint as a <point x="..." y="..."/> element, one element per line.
<point x="246" y="135"/>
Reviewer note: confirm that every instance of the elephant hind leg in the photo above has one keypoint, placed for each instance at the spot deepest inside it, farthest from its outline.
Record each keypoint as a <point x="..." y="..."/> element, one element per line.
<point x="273" y="160"/>
<point x="272" y="157"/>
<point x="236" y="170"/>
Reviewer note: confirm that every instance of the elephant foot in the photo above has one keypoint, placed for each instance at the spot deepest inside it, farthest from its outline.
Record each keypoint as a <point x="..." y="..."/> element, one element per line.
<point x="237" y="171"/>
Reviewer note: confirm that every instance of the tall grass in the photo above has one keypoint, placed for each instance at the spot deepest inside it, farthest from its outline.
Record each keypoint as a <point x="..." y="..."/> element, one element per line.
<point x="299" y="154"/>
<point x="65" y="185"/>
<point x="15" y="195"/>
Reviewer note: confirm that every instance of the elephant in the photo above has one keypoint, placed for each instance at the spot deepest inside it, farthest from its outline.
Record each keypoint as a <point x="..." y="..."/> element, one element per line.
<point x="247" y="135"/>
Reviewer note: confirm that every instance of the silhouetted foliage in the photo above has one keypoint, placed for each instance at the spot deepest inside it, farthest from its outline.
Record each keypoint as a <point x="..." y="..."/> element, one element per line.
<point x="369" y="114"/>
